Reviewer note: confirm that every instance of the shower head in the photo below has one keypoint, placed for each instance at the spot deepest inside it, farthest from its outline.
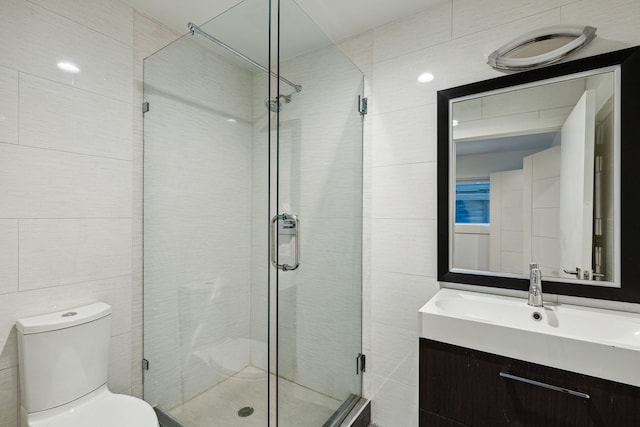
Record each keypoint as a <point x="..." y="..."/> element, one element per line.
<point x="274" y="103"/>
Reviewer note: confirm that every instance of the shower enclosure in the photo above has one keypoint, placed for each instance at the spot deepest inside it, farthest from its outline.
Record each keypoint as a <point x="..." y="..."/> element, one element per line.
<point x="252" y="223"/>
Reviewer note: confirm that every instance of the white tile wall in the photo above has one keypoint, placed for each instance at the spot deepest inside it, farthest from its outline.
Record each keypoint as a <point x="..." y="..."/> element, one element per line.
<point x="398" y="136"/>
<point x="396" y="198"/>
<point x="59" y="117"/>
<point x="65" y="172"/>
<point x="111" y="18"/>
<point x="9" y="105"/>
<point x="119" y="379"/>
<point x="505" y="240"/>
<point x="545" y="209"/>
<point x="472" y="251"/>
<point x="8" y="255"/>
<point x="35" y="40"/>
<point x="616" y="20"/>
<point x="42" y="183"/>
<point x="427" y="28"/>
<point x="414" y="246"/>
<point x="404" y="135"/>
<point x="8" y="397"/>
<point x="470" y="16"/>
<point x="65" y="251"/>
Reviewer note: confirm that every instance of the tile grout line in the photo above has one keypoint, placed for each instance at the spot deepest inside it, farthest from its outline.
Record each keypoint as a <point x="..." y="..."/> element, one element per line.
<point x="18" y="256"/>
<point x="65" y="151"/>
<point x="543" y="11"/>
<point x="68" y="218"/>
<point x="65" y="84"/>
<point x="67" y="18"/>
<point x="86" y="282"/>
<point x="373" y="168"/>
<point x="451" y="27"/>
<point x="454" y="38"/>
<point x="406" y="274"/>
<point x="404" y="109"/>
<point x="19" y="106"/>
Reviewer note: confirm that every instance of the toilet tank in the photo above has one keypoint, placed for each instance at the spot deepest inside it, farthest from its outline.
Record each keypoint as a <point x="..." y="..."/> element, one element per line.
<point x="63" y="355"/>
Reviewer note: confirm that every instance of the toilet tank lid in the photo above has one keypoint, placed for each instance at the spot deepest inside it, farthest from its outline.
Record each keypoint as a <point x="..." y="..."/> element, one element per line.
<point x="63" y="319"/>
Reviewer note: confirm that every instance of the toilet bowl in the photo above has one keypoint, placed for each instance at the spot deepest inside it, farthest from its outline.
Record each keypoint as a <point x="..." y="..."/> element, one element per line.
<point x="63" y="373"/>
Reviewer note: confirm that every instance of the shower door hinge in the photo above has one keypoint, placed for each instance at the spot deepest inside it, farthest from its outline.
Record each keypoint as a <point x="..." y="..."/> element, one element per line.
<point x="145" y="365"/>
<point x="361" y="363"/>
<point x="145" y="107"/>
<point x="362" y="105"/>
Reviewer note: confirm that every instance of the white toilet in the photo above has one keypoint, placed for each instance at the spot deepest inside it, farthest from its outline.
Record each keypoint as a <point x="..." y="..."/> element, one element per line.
<point x="63" y="373"/>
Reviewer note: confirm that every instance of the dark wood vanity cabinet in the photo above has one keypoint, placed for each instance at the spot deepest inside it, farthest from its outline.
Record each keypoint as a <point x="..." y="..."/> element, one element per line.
<point x="463" y="387"/>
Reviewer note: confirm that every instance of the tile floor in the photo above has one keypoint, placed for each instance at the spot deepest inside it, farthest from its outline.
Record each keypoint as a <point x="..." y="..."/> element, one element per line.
<point x="218" y="406"/>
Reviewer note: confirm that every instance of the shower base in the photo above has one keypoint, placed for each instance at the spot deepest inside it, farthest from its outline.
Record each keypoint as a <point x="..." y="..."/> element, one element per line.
<point x="219" y="406"/>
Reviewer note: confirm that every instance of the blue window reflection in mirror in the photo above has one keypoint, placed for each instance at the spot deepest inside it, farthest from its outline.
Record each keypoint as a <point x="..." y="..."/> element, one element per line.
<point x="472" y="202"/>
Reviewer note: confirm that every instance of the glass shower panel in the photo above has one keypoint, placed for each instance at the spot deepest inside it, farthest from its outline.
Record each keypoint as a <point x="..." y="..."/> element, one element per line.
<point x="205" y="220"/>
<point x="319" y="182"/>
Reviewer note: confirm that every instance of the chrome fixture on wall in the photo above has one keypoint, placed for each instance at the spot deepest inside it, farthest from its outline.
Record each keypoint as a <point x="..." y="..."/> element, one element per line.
<point x="274" y="103"/>
<point x="541" y="47"/>
<point x="193" y="29"/>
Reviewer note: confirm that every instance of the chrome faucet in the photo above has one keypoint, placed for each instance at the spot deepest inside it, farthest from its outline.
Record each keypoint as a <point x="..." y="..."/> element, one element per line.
<point x="535" y="285"/>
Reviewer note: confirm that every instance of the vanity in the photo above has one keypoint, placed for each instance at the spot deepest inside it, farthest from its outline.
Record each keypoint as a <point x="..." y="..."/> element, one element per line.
<point x="490" y="360"/>
<point x="511" y="392"/>
<point x="541" y="168"/>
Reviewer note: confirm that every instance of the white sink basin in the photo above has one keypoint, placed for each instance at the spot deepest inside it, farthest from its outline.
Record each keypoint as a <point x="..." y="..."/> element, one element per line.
<point x="591" y="341"/>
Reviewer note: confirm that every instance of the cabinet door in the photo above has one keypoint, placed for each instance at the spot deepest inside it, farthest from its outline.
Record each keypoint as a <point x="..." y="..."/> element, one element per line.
<point x="460" y="385"/>
<point x="535" y="404"/>
<point x="613" y="404"/>
<point x="465" y="386"/>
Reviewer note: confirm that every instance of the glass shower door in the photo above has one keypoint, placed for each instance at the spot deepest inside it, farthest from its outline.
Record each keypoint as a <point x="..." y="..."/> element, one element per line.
<point x="319" y="231"/>
<point x="205" y="241"/>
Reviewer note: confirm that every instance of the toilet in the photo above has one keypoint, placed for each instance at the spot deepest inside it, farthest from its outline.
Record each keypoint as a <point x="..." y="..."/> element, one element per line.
<point x="63" y="372"/>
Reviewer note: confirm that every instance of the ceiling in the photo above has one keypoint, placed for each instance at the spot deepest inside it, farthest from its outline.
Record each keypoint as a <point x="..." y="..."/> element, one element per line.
<point x="533" y="142"/>
<point x="339" y="19"/>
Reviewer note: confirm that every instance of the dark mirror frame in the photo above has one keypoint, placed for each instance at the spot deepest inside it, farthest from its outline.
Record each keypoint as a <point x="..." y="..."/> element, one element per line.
<point x="629" y="61"/>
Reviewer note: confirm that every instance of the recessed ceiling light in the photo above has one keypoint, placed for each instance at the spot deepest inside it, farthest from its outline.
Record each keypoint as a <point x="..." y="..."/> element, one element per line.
<point x="425" y="77"/>
<point x="454" y="123"/>
<point x="231" y="120"/>
<point x="69" y="67"/>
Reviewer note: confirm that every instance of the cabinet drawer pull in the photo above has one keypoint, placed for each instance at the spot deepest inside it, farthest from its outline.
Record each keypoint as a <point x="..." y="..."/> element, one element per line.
<point x="544" y="385"/>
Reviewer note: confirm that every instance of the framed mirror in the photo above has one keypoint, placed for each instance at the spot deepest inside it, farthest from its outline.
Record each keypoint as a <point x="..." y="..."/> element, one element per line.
<point x="540" y="167"/>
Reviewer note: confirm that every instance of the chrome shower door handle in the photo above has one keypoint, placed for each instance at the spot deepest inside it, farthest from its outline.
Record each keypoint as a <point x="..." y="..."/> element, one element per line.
<point x="296" y="259"/>
<point x="296" y="235"/>
<point x="272" y="237"/>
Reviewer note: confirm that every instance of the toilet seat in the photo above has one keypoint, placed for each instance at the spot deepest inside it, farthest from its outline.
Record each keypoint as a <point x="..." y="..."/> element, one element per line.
<point x="104" y="409"/>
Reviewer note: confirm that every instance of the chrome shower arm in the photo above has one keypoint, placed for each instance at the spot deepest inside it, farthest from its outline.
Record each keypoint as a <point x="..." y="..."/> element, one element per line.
<point x="193" y="29"/>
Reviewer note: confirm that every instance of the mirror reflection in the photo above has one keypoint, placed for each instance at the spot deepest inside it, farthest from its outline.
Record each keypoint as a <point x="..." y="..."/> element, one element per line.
<point x="534" y="179"/>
